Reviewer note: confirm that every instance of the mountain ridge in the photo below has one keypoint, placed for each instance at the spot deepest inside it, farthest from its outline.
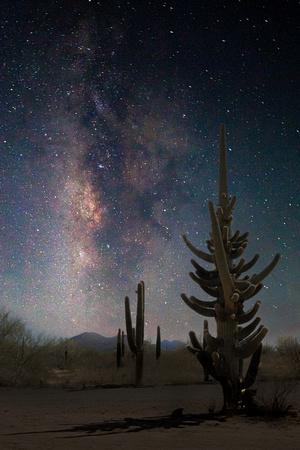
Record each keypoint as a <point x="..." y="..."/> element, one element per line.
<point x="96" y="341"/>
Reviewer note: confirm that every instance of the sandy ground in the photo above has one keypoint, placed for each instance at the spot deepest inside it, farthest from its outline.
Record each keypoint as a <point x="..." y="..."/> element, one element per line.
<point x="139" y="418"/>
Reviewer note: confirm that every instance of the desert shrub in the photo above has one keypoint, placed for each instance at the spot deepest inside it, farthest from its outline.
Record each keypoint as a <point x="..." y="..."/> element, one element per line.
<point x="173" y="367"/>
<point x="276" y="395"/>
<point x="9" y="326"/>
<point x="289" y="347"/>
<point x="268" y="349"/>
<point x="29" y="359"/>
<point x="24" y="357"/>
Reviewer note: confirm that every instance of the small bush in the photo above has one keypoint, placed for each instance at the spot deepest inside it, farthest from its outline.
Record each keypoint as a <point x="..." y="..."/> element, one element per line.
<point x="289" y="347"/>
<point x="268" y="349"/>
<point x="276" y="395"/>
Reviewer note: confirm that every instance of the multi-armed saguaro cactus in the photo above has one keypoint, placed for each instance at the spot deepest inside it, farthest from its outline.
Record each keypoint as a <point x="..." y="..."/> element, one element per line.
<point x="230" y="289"/>
<point x="135" y="336"/>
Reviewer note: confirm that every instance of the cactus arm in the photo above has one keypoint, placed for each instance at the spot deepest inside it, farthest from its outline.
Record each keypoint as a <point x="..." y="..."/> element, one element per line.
<point x="235" y="236"/>
<point x="252" y="369"/>
<point x="230" y="206"/>
<point x="257" y="289"/>
<point x="202" y="255"/>
<point x="245" y="317"/>
<point x="196" y="307"/>
<point x="239" y="244"/>
<point x="221" y="261"/>
<point x="194" y="340"/>
<point x="213" y="292"/>
<point x="203" y="356"/>
<point x="219" y="365"/>
<point x="222" y="218"/>
<point x="129" y="329"/>
<point x="242" y="237"/>
<point x="237" y="253"/>
<point x="206" y="361"/>
<point x="245" y="294"/>
<point x="238" y="267"/>
<point x="242" y="284"/>
<point x="192" y="350"/>
<point x="201" y="272"/>
<point x="250" y="344"/>
<point x="265" y="272"/>
<point x="245" y="331"/>
<point x="207" y="304"/>
<point x="250" y="264"/>
<point x="203" y="282"/>
<point x="212" y="343"/>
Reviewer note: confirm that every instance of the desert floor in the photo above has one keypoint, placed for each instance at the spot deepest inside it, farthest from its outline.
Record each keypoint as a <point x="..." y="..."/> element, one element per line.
<point x="139" y="418"/>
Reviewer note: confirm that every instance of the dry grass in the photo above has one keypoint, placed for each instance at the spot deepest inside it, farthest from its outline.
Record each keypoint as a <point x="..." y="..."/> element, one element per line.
<point x="99" y="369"/>
<point x="177" y="367"/>
<point x="275" y="365"/>
<point x="277" y="395"/>
<point x="87" y="368"/>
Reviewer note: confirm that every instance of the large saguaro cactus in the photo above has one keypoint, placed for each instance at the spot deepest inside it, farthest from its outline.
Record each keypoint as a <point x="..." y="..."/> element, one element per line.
<point x="230" y="288"/>
<point x="135" y="336"/>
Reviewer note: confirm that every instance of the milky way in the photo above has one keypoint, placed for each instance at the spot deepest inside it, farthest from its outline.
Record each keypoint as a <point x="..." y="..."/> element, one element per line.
<point x="109" y="128"/>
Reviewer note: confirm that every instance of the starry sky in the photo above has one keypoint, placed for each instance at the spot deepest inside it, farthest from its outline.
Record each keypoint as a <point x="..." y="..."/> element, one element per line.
<point x="109" y="131"/>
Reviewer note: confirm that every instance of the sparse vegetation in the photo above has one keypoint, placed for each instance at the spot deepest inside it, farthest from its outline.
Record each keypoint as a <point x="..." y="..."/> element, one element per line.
<point x="28" y="360"/>
<point x="276" y="396"/>
<point x="23" y="355"/>
<point x="289" y="348"/>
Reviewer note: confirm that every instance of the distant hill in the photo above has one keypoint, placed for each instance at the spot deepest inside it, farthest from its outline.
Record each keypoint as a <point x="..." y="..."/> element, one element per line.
<point x="95" y="341"/>
<point x="171" y="345"/>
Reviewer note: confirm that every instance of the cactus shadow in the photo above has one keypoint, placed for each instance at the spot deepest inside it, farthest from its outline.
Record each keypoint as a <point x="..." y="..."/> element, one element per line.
<point x="134" y="425"/>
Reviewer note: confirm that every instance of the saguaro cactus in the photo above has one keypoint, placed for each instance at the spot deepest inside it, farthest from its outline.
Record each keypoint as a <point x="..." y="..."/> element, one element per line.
<point x="135" y="336"/>
<point x="120" y="347"/>
<point x="230" y="289"/>
<point x="158" y="343"/>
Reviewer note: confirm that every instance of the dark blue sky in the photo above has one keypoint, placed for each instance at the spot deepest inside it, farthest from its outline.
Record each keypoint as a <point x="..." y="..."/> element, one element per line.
<point x="110" y="116"/>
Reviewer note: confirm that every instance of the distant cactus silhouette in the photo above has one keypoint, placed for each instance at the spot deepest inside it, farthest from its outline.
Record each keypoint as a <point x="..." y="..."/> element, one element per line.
<point x="135" y="336"/>
<point x="158" y="343"/>
<point x="119" y="349"/>
<point x="222" y="357"/>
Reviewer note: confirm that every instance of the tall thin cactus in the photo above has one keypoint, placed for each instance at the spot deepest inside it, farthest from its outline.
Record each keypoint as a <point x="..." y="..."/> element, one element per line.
<point x="119" y="349"/>
<point x="230" y="289"/>
<point x="123" y="345"/>
<point x="158" y="343"/>
<point x="135" y="336"/>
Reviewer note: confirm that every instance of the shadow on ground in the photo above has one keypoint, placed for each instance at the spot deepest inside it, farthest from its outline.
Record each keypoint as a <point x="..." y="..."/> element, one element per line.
<point x="131" y="425"/>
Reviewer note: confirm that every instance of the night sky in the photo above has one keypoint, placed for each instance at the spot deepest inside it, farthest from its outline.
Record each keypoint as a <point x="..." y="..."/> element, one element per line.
<point x="109" y="133"/>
